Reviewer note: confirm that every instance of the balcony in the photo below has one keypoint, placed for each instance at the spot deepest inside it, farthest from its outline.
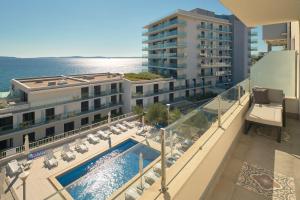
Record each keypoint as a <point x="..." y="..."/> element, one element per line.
<point x="211" y="28"/>
<point x="207" y="148"/>
<point x="166" y="25"/>
<point x="57" y="117"/>
<point x="222" y="47"/>
<point x="206" y="37"/>
<point x="217" y="64"/>
<point x="165" y="46"/>
<point x="164" y="55"/>
<point x="167" y="66"/>
<point x="163" y="36"/>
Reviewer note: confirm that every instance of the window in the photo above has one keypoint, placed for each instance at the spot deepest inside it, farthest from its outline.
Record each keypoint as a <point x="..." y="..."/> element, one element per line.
<point x="139" y="89"/>
<point x="84" y="121"/>
<point x="85" y="92"/>
<point x="68" y="126"/>
<point x="139" y="102"/>
<point x="120" y="87"/>
<point x="114" y="112"/>
<point x="28" y="118"/>
<point x="113" y="87"/>
<point x="171" y="97"/>
<point x="97" y="104"/>
<point x="50" y="114"/>
<point x="84" y="106"/>
<point x="187" y="83"/>
<point x="187" y="93"/>
<point x="113" y="99"/>
<point x="24" y="96"/>
<point x="155" y="99"/>
<point x="5" y="144"/>
<point x="6" y="123"/>
<point x="50" y="132"/>
<point x="155" y="88"/>
<point x="171" y="85"/>
<point x="97" y="118"/>
<point x="97" y="90"/>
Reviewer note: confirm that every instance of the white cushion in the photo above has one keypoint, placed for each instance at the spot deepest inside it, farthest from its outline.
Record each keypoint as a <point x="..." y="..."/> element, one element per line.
<point x="269" y="114"/>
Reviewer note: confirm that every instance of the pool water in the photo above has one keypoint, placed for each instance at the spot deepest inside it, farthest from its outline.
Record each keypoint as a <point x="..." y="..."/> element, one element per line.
<point x="102" y="175"/>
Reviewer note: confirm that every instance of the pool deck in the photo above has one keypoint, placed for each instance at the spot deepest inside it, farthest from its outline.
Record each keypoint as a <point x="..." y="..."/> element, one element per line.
<point x="38" y="184"/>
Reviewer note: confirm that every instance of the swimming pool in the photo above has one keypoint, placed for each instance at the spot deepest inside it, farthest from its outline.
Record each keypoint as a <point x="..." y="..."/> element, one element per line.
<point x="100" y="176"/>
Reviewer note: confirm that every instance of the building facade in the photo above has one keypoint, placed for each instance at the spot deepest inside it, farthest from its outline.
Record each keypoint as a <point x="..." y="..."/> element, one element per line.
<point x="198" y="45"/>
<point x="45" y="106"/>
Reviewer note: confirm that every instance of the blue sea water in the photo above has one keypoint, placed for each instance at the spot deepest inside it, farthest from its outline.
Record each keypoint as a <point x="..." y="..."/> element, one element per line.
<point x="99" y="177"/>
<point x="31" y="67"/>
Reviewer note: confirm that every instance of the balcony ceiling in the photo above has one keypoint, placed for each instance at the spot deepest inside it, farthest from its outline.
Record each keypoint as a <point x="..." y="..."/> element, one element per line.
<point x="262" y="12"/>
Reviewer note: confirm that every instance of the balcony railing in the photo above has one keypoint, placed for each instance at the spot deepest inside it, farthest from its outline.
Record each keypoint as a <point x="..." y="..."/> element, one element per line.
<point x="165" y="46"/>
<point x="223" y="47"/>
<point x="165" y="25"/>
<point x="57" y="117"/>
<point x="164" y="55"/>
<point x="165" y="36"/>
<point x="166" y="66"/>
<point x="48" y="140"/>
<point x="205" y="37"/>
<point x="33" y="106"/>
<point x="217" y="64"/>
<point x="211" y="28"/>
<point x="178" y="137"/>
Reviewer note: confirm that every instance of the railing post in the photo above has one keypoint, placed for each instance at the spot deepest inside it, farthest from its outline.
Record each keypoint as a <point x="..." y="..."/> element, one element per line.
<point x="219" y="111"/>
<point x="163" y="161"/>
<point x="239" y="94"/>
<point x="249" y="86"/>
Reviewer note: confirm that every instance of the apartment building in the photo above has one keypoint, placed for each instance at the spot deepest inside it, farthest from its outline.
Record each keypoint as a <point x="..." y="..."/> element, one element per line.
<point x="42" y="107"/>
<point x="164" y="90"/>
<point x="277" y="35"/>
<point x="198" y="45"/>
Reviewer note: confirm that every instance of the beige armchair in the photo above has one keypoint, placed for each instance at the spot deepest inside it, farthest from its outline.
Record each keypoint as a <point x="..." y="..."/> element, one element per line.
<point x="271" y="113"/>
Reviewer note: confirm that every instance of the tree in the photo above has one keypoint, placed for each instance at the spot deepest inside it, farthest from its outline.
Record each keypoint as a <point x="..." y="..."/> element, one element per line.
<point x="157" y="114"/>
<point x="138" y="110"/>
<point x="174" y="115"/>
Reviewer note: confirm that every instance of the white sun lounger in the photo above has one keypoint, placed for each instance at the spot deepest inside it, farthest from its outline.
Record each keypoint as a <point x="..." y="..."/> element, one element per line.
<point x="67" y="154"/>
<point x="132" y="194"/>
<point x="141" y="132"/>
<point x="115" y="130"/>
<point x="13" y="168"/>
<point x="157" y="168"/>
<point x="128" y="124"/>
<point x="186" y="144"/>
<point x="103" y="135"/>
<point x="92" y="139"/>
<point x="80" y="146"/>
<point x="121" y="127"/>
<point x="50" y="160"/>
<point x="151" y="177"/>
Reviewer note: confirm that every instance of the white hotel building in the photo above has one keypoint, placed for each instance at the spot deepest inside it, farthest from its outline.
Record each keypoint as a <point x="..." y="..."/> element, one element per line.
<point x="199" y="46"/>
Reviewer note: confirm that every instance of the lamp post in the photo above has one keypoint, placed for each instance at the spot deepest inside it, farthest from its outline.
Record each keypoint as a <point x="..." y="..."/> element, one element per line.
<point x="23" y="176"/>
<point x="163" y="161"/>
<point x="168" y="107"/>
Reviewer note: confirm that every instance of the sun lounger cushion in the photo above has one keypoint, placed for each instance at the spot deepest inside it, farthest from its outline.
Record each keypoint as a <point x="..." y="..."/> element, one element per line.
<point x="269" y="114"/>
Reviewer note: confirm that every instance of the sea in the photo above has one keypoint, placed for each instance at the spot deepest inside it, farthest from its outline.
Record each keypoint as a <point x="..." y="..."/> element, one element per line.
<point x="11" y="68"/>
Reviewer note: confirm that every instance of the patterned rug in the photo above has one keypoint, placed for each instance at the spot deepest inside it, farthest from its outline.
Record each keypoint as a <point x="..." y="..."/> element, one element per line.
<point x="271" y="185"/>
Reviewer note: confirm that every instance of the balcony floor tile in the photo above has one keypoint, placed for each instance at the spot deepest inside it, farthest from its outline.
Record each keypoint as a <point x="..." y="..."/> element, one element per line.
<point x="277" y="161"/>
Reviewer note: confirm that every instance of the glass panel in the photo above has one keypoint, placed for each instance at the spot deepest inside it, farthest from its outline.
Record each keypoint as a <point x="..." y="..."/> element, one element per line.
<point x="276" y="70"/>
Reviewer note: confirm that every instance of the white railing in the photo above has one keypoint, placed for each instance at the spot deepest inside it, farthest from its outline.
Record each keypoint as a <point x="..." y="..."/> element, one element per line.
<point x="48" y="140"/>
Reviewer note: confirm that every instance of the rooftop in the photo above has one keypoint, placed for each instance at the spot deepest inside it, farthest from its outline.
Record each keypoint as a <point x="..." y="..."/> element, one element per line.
<point x="66" y="81"/>
<point x="142" y="76"/>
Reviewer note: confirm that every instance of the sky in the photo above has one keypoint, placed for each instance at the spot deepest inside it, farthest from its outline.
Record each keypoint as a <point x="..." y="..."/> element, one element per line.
<point x="35" y="28"/>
